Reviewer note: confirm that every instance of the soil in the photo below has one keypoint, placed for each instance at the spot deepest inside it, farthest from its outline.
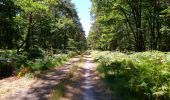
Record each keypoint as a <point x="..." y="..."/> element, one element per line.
<point x="85" y="84"/>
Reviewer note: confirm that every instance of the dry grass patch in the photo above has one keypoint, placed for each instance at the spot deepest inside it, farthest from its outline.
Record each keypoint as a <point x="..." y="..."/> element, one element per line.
<point x="59" y="92"/>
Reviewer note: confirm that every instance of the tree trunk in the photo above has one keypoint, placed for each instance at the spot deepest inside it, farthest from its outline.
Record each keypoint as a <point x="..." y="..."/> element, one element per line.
<point x="136" y="8"/>
<point x="28" y="38"/>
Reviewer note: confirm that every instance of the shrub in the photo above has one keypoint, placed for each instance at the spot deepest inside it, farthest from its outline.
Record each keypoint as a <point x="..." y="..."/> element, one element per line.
<point x="71" y="54"/>
<point x="47" y="62"/>
<point x="30" y="61"/>
<point x="147" y="73"/>
<point x="35" y="53"/>
<point x="6" y="69"/>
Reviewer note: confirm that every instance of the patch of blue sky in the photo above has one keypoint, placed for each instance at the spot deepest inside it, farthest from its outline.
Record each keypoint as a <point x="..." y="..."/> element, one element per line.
<point x="83" y="9"/>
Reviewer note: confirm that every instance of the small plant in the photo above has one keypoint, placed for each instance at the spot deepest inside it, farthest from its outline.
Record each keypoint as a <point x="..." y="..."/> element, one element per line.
<point x="71" y="54"/>
<point x="23" y="70"/>
<point x="58" y="91"/>
<point x="35" y="53"/>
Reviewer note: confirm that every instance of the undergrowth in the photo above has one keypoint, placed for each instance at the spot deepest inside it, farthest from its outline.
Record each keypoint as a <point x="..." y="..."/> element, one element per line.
<point x="30" y="61"/>
<point x="145" y="75"/>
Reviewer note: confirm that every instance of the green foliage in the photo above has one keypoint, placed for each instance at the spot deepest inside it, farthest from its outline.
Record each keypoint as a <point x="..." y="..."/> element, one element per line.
<point x="47" y="24"/>
<point x="34" y="33"/>
<point x="58" y="92"/>
<point x="30" y="61"/>
<point x="35" y="53"/>
<point x="47" y="62"/>
<point x="71" y="53"/>
<point x="147" y="74"/>
<point x="136" y="25"/>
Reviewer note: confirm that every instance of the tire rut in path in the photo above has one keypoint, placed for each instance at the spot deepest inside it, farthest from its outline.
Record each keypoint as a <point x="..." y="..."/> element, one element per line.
<point x="90" y="92"/>
<point x="86" y="84"/>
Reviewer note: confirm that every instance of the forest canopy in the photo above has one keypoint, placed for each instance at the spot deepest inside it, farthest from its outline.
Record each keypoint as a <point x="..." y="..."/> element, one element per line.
<point x="46" y="24"/>
<point x="136" y="25"/>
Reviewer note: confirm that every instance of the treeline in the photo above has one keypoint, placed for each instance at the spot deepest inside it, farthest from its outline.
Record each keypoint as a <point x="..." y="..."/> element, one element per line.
<point x="137" y="25"/>
<point x="46" y="24"/>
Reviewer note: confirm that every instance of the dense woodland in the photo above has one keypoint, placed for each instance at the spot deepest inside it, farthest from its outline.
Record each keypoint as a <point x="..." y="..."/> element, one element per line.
<point x="46" y="24"/>
<point x="38" y="34"/>
<point x="130" y="25"/>
<point x="132" y="38"/>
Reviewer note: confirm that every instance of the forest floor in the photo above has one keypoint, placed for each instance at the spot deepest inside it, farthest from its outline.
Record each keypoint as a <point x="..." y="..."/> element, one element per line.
<point x="83" y="85"/>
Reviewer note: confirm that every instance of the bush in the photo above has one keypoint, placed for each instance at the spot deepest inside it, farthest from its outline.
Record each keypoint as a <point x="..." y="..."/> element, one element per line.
<point x="35" y="53"/>
<point x="71" y="54"/>
<point x="147" y="73"/>
<point x="6" y="69"/>
<point x="30" y="61"/>
<point x="47" y="62"/>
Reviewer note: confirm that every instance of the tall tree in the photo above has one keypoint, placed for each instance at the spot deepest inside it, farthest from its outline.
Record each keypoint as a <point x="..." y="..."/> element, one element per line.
<point x="129" y="24"/>
<point x="47" y="24"/>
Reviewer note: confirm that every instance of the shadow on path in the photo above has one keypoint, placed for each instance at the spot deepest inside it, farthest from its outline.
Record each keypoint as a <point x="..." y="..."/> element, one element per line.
<point x="43" y="86"/>
<point x="86" y="85"/>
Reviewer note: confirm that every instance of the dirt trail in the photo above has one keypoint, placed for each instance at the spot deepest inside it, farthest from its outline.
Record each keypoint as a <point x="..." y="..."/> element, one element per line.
<point x="35" y="89"/>
<point x="93" y="87"/>
<point x="90" y="92"/>
<point x="85" y="85"/>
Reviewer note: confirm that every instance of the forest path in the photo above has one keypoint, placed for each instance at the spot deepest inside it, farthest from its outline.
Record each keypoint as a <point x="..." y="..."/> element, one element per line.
<point x="92" y="85"/>
<point x="85" y="84"/>
<point x="34" y="89"/>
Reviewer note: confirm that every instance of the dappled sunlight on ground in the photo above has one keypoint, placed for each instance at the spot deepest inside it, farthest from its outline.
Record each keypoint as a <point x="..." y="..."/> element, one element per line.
<point x="85" y="84"/>
<point x="35" y="89"/>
